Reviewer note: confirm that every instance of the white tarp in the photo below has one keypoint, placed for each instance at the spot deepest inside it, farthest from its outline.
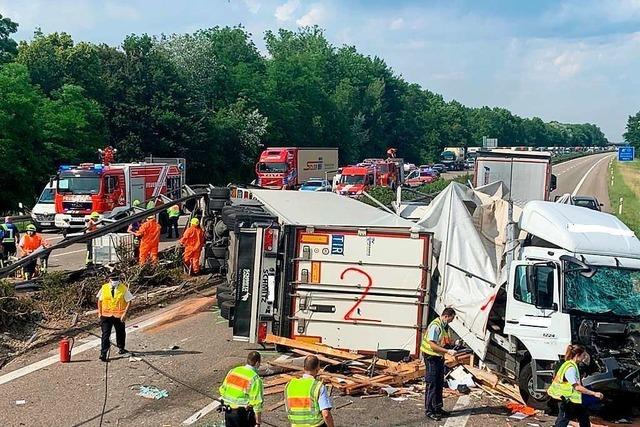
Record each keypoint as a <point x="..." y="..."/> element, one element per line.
<point x="468" y="245"/>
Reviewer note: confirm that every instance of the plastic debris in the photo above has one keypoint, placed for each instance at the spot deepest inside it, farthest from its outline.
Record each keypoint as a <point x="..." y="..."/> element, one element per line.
<point x="21" y="402"/>
<point x="152" y="393"/>
<point x="135" y="359"/>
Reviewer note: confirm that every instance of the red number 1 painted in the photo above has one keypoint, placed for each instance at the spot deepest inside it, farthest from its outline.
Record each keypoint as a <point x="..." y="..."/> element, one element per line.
<point x="349" y="314"/>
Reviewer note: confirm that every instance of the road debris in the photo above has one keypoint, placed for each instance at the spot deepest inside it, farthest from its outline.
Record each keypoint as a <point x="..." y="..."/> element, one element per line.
<point x="152" y="393"/>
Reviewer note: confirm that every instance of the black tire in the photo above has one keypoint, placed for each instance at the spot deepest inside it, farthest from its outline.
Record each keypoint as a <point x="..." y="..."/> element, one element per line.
<point x="223" y="297"/>
<point x="224" y="289"/>
<point x="220" y="193"/>
<point x="217" y="204"/>
<point x="525" y="384"/>
<point x="226" y="308"/>
<point x="219" y="252"/>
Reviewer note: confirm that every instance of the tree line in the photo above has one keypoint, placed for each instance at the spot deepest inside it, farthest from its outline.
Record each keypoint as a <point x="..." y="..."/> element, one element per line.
<point x="632" y="133"/>
<point x="213" y="98"/>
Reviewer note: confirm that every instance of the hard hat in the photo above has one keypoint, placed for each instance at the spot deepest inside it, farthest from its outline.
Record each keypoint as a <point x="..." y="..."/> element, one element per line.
<point x="152" y="216"/>
<point x="195" y="221"/>
<point x="95" y="215"/>
<point x="136" y="203"/>
<point x="31" y="227"/>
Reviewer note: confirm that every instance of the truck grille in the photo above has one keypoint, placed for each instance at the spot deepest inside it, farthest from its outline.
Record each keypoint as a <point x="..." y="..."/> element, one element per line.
<point x="45" y="217"/>
<point x="76" y="206"/>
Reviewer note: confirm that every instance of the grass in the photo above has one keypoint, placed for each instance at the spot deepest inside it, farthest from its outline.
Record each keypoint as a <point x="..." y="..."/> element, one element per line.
<point x="626" y="184"/>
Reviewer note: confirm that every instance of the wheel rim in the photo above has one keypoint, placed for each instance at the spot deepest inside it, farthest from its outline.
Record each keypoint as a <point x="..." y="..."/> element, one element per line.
<point x="535" y="394"/>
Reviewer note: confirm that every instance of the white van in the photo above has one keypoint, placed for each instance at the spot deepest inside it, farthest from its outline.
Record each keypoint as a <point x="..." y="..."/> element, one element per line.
<point x="44" y="211"/>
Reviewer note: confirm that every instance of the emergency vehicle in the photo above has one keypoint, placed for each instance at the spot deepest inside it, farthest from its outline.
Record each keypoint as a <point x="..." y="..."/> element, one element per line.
<point x="110" y="189"/>
<point x="370" y="173"/>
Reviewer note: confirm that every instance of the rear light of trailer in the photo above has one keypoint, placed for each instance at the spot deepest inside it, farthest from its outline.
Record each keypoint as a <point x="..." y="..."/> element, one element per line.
<point x="262" y="331"/>
<point x="268" y="240"/>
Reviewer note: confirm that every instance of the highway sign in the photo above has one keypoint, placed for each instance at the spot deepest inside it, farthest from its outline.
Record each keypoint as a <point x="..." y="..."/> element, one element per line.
<point x="489" y="142"/>
<point x="626" y="154"/>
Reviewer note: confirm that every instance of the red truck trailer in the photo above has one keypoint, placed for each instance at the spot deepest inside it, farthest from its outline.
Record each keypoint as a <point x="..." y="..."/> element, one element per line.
<point x="286" y="168"/>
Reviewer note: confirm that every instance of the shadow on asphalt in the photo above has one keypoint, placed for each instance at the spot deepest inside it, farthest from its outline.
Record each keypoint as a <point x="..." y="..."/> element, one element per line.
<point x="485" y="410"/>
<point x="159" y="353"/>
<point x="86" y="422"/>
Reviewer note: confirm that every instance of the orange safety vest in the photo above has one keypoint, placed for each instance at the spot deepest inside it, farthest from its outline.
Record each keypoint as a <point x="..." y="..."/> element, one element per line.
<point x="113" y="306"/>
<point x="31" y="243"/>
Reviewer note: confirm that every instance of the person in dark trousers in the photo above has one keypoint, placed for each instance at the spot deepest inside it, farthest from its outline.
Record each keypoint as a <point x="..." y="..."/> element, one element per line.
<point x="114" y="300"/>
<point x="174" y="215"/>
<point x="242" y="394"/>
<point x="434" y="347"/>
<point x="568" y="389"/>
<point x="10" y="238"/>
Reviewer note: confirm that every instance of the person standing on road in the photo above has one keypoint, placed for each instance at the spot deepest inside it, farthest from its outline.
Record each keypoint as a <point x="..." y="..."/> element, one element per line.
<point x="92" y="225"/>
<point x="10" y="236"/>
<point x="306" y="398"/>
<point x="193" y="241"/>
<point x="434" y="343"/>
<point x="149" y="234"/>
<point x="114" y="300"/>
<point x="567" y="388"/>
<point x="29" y="243"/>
<point x="242" y="394"/>
<point x="174" y="214"/>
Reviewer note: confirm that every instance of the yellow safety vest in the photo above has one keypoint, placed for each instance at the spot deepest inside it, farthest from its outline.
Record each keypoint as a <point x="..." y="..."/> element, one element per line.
<point x="560" y="388"/>
<point x="236" y="387"/>
<point x="301" y="400"/>
<point x="445" y="338"/>
<point x="113" y="306"/>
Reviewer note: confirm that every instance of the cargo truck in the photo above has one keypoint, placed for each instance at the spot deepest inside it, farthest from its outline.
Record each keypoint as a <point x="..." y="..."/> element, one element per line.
<point x="525" y="283"/>
<point x="323" y="268"/>
<point x="287" y="168"/>
<point x="453" y="158"/>
<point x="527" y="175"/>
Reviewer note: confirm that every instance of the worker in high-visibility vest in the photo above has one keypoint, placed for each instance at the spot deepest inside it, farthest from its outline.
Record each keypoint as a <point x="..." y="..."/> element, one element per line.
<point x="31" y="242"/>
<point x="242" y="394"/>
<point x="434" y="346"/>
<point x="149" y="234"/>
<point x="114" y="300"/>
<point x="306" y="398"/>
<point x="193" y="241"/>
<point x="92" y="224"/>
<point x="133" y="229"/>
<point x="10" y="238"/>
<point x="172" y="225"/>
<point x="568" y="389"/>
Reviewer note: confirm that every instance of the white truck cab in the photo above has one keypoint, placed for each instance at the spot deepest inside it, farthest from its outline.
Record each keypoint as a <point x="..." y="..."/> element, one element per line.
<point x="44" y="211"/>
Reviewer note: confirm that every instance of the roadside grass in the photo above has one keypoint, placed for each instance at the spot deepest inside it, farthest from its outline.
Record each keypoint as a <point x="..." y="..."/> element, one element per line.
<point x="626" y="184"/>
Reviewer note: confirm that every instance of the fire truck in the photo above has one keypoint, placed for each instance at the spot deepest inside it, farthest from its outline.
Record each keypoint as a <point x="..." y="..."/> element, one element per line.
<point x="110" y="189"/>
<point x="370" y="173"/>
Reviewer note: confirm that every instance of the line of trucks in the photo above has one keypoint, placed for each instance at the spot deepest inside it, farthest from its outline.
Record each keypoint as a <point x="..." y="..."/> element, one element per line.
<point x="526" y="276"/>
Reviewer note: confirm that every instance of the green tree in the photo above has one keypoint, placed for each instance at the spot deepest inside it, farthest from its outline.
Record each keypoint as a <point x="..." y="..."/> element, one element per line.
<point x="8" y="46"/>
<point x="632" y="134"/>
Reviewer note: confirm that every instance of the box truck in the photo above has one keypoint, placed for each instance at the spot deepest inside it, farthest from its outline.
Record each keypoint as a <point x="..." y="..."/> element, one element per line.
<point x="289" y="167"/>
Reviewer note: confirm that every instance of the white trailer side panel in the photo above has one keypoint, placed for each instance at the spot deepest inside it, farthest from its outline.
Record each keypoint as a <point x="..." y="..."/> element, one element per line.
<point x="526" y="179"/>
<point x="361" y="292"/>
<point x="315" y="162"/>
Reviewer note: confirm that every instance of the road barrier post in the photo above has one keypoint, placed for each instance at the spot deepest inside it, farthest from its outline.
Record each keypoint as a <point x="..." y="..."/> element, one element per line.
<point x="620" y="206"/>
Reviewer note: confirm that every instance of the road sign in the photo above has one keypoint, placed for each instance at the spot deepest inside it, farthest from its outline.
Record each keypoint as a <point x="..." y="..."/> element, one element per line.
<point x="626" y="154"/>
<point x="489" y="142"/>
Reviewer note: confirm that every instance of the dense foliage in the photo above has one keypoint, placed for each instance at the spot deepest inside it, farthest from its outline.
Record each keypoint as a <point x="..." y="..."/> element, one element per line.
<point x="632" y="135"/>
<point x="213" y="98"/>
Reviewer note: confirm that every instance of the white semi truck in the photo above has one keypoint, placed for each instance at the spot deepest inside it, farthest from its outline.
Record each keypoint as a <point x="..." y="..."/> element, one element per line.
<point x="525" y="283"/>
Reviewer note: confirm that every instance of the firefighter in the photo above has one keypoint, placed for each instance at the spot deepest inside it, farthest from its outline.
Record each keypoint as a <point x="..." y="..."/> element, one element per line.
<point x="567" y="388"/>
<point x="114" y="300"/>
<point x="306" y="398"/>
<point x="242" y="394"/>
<point x="132" y="229"/>
<point x="10" y="235"/>
<point x="434" y="346"/>
<point x="193" y="242"/>
<point x="149" y="234"/>
<point x="93" y="222"/>
<point x="174" y="214"/>
<point x="29" y="243"/>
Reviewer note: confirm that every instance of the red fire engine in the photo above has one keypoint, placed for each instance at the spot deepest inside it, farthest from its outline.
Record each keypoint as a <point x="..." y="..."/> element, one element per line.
<point x="370" y="173"/>
<point x="111" y="189"/>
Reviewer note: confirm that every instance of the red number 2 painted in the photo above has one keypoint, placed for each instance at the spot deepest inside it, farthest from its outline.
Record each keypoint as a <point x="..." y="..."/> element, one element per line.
<point x="349" y="314"/>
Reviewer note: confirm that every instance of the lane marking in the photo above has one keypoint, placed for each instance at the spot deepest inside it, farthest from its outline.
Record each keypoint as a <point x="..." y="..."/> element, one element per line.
<point x="459" y="421"/>
<point x="136" y="327"/>
<point x="67" y="253"/>
<point x="201" y="413"/>
<point x="575" y="191"/>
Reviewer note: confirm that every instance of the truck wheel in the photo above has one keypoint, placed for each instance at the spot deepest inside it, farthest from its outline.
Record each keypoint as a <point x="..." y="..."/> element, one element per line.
<point x="222" y="297"/>
<point x="525" y="383"/>
<point x="220" y="193"/>
<point x="226" y="308"/>
<point x="223" y="289"/>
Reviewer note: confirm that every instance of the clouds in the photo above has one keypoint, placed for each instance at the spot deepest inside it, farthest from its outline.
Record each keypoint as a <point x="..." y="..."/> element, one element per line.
<point x="285" y="11"/>
<point x="314" y="16"/>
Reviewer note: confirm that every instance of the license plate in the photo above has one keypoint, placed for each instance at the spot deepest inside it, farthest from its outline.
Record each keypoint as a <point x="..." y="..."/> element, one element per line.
<point x="46" y="223"/>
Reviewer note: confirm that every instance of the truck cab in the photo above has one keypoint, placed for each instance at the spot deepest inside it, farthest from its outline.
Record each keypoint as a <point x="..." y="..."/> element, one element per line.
<point x="275" y="167"/>
<point x="355" y="179"/>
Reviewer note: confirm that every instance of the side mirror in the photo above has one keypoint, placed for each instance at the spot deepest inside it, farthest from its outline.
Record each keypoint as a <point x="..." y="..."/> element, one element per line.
<point x="51" y="182"/>
<point x="554" y="183"/>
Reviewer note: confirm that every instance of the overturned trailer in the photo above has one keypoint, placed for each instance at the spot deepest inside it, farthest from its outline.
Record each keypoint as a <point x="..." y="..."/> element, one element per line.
<point x="323" y="268"/>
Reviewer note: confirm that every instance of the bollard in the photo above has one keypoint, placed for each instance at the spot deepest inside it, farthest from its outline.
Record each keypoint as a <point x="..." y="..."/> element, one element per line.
<point x="620" y="206"/>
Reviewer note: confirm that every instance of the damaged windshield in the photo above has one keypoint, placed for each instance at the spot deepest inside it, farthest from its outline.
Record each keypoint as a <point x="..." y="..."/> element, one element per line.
<point x="610" y="289"/>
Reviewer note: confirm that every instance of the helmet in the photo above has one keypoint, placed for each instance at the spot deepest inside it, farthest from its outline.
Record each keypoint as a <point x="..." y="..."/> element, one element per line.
<point x="95" y="215"/>
<point x="136" y="203"/>
<point x="31" y="227"/>
<point x="195" y="221"/>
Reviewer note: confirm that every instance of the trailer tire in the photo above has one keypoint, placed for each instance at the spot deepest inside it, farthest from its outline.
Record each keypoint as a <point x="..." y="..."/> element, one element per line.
<point x="219" y="252"/>
<point x="220" y="193"/>
<point x="525" y="384"/>
<point x="217" y="204"/>
<point x="223" y="297"/>
<point x="226" y="308"/>
<point x="220" y="289"/>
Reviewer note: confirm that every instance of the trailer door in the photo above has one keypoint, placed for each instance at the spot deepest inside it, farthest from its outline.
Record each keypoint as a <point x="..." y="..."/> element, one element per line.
<point x="360" y="290"/>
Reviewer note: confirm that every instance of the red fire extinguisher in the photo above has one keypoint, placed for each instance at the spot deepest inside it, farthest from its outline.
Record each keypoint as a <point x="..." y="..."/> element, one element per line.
<point x="66" y="345"/>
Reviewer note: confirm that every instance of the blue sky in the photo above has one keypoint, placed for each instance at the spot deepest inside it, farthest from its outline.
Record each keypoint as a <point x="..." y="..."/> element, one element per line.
<point x="572" y="60"/>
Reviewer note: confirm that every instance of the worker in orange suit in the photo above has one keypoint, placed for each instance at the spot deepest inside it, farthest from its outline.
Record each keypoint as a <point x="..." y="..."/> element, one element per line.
<point x="193" y="242"/>
<point x="149" y="234"/>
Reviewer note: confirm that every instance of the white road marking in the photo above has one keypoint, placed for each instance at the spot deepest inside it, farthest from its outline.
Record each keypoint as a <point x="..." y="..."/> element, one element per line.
<point x="68" y="253"/>
<point x="201" y="413"/>
<point x="459" y="421"/>
<point x="575" y="191"/>
<point x="76" y="350"/>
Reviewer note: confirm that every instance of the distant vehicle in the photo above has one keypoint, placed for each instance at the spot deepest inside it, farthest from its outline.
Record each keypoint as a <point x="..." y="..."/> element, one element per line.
<point x="453" y="158"/>
<point x="588" y="202"/>
<point x="316" y="184"/>
<point x="440" y="168"/>
<point x="418" y="177"/>
<point x="287" y="168"/>
<point x="470" y="164"/>
<point x="44" y="211"/>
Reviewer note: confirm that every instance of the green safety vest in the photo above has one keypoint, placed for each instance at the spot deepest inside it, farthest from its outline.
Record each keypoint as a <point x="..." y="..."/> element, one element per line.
<point x="236" y="386"/>
<point x="445" y="338"/>
<point x="7" y="232"/>
<point x="301" y="400"/>
<point x="174" y="212"/>
<point x="561" y="389"/>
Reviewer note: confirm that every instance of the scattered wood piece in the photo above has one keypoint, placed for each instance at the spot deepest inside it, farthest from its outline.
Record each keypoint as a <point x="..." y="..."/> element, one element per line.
<point x="316" y="348"/>
<point x="274" y="406"/>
